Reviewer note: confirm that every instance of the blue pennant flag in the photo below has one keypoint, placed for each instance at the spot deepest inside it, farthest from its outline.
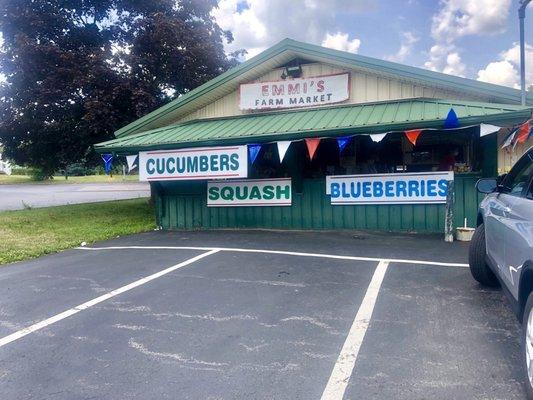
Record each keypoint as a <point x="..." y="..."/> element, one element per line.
<point x="451" y="120"/>
<point x="253" y="151"/>
<point x="108" y="162"/>
<point x="342" y="142"/>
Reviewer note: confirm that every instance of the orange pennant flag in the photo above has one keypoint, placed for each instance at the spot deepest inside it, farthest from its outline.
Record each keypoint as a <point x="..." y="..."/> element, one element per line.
<point x="312" y="145"/>
<point x="413" y="135"/>
<point x="523" y="132"/>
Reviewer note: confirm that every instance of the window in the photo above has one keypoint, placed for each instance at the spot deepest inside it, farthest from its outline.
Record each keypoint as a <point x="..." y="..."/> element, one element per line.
<point x="519" y="178"/>
<point x="529" y="194"/>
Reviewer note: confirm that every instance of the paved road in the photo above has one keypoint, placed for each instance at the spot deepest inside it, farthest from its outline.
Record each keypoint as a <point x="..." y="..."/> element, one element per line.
<point x="239" y="324"/>
<point x="15" y="197"/>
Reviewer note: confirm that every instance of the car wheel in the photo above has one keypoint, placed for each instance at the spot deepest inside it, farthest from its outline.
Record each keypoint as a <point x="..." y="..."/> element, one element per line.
<point x="476" y="259"/>
<point x="527" y="345"/>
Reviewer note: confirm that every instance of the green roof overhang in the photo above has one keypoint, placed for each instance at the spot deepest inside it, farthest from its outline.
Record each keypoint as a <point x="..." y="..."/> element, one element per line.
<point x="351" y="119"/>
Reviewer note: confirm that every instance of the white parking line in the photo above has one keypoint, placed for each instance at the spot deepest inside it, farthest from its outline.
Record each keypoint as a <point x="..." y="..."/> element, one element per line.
<point x="65" y="314"/>
<point x="287" y="253"/>
<point x="340" y="376"/>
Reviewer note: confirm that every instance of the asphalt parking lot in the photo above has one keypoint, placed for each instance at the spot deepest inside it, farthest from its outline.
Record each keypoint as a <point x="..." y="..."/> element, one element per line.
<point x="256" y="315"/>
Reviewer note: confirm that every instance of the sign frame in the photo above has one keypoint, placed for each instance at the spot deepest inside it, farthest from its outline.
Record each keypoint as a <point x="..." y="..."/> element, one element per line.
<point x="440" y="199"/>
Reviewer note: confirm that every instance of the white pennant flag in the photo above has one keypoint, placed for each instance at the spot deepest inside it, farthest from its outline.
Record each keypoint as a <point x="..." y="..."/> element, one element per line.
<point x="486" y="129"/>
<point x="132" y="161"/>
<point x="282" y="149"/>
<point x="378" y="137"/>
<point x="509" y="139"/>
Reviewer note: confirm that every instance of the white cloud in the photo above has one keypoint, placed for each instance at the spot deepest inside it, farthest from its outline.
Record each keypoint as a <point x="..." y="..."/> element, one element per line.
<point x="459" y="18"/>
<point x="408" y="40"/>
<point x="505" y="71"/>
<point x="261" y="23"/>
<point x="341" y="41"/>
<point x="445" y="58"/>
<point x="454" y="65"/>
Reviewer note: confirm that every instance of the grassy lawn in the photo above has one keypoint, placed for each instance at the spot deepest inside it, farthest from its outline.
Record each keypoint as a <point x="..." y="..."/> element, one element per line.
<point x="31" y="233"/>
<point x="15" y="179"/>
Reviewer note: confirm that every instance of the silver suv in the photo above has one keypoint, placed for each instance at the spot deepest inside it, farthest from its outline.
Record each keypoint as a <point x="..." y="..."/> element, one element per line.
<point x="501" y="250"/>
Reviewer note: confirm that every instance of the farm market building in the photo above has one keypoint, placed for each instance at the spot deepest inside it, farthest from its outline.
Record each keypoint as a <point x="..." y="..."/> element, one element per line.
<point x="304" y="137"/>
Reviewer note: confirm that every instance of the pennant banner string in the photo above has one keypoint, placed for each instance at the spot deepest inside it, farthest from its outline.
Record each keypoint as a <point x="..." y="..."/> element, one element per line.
<point x="413" y="135"/>
<point x="312" y="145"/>
<point x="108" y="162"/>
<point x="283" y="146"/>
<point x="487" y="129"/>
<point x="132" y="161"/>
<point x="378" y="137"/>
<point x="451" y="121"/>
<point x="523" y="132"/>
<point x="342" y="142"/>
<point x="253" y="151"/>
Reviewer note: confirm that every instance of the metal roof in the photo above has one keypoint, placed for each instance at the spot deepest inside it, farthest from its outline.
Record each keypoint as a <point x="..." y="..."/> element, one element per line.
<point x="316" y="122"/>
<point x="289" y="49"/>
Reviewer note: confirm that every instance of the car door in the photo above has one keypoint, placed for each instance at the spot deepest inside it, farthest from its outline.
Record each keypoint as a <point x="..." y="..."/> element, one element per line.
<point x="516" y="221"/>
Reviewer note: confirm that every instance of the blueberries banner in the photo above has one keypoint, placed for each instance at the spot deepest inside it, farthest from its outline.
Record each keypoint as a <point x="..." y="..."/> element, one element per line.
<point x="196" y="163"/>
<point x="408" y="188"/>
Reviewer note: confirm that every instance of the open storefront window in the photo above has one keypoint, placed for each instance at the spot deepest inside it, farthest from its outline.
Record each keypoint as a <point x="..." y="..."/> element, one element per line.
<point x="457" y="150"/>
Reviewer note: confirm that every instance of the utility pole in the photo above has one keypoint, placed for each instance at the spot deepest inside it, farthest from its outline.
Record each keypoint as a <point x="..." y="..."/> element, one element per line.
<point x="521" y="18"/>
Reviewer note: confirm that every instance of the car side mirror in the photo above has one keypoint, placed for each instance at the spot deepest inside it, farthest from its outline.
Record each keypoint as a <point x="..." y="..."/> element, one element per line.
<point x="486" y="185"/>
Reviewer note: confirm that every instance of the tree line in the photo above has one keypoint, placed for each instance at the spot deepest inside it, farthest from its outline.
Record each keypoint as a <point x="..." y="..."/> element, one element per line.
<point x="77" y="70"/>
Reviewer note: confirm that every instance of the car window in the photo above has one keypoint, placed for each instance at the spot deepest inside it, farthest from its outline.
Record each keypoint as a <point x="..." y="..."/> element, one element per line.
<point x="529" y="193"/>
<point x="517" y="181"/>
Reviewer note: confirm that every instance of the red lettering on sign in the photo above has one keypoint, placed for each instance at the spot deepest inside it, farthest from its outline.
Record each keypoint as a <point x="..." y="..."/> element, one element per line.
<point x="264" y="90"/>
<point x="278" y="90"/>
<point x="320" y="86"/>
<point x="294" y="88"/>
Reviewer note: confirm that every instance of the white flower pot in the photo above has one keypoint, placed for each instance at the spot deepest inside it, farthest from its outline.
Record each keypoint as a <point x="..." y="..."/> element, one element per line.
<point x="464" y="234"/>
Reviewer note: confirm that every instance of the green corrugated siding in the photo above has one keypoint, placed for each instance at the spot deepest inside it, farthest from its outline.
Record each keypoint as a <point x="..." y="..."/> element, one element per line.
<point x="183" y="206"/>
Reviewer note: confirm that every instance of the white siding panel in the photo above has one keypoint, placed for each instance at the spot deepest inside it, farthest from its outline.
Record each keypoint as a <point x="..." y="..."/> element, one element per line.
<point x="364" y="87"/>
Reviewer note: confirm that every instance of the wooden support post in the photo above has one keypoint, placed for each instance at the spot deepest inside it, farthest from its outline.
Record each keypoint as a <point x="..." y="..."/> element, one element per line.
<point x="448" y="219"/>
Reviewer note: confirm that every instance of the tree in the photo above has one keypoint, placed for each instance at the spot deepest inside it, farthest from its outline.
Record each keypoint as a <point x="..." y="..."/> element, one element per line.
<point x="77" y="70"/>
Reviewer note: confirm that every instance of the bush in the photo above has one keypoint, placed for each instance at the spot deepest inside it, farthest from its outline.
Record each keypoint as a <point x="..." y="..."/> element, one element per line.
<point x="21" y="171"/>
<point x="79" y="169"/>
<point x="39" y="175"/>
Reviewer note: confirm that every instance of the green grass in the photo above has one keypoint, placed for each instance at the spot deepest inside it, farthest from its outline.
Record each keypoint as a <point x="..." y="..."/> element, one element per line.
<point x="16" y="179"/>
<point x="32" y="233"/>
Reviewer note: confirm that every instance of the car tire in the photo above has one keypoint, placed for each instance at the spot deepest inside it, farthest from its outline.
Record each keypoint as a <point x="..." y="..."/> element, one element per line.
<point x="476" y="259"/>
<point x="527" y="345"/>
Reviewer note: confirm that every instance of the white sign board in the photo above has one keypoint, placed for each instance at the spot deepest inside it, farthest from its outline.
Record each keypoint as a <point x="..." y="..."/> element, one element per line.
<point x="408" y="188"/>
<point x="195" y="163"/>
<point x="249" y="192"/>
<point x="292" y="93"/>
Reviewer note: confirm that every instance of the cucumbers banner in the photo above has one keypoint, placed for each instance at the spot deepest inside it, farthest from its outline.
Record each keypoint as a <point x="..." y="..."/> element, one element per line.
<point x="250" y="192"/>
<point x="195" y="163"/>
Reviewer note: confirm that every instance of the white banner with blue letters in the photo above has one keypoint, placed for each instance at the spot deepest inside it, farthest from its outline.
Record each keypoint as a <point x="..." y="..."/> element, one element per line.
<point x="194" y="163"/>
<point x="405" y="188"/>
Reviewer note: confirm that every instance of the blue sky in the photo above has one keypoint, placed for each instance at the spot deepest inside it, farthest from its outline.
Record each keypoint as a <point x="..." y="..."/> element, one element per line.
<point x="472" y="38"/>
<point x="476" y="39"/>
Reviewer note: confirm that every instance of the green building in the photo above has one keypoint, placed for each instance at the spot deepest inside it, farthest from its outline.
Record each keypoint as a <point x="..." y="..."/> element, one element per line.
<point x="305" y="137"/>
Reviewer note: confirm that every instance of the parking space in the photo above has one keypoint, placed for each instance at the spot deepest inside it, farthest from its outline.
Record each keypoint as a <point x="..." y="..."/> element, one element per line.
<point x="266" y="315"/>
